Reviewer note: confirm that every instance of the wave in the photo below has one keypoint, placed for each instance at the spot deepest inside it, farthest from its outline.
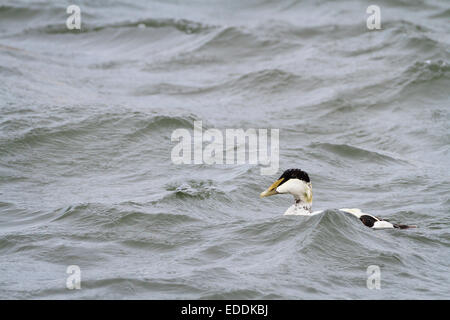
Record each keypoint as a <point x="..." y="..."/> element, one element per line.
<point x="356" y="153"/>
<point x="192" y="189"/>
<point x="10" y="71"/>
<point x="190" y="195"/>
<point x="290" y="229"/>
<point x="169" y="89"/>
<point x="98" y="214"/>
<point x="130" y="125"/>
<point x="182" y="25"/>
<point x="265" y="81"/>
<point x="442" y="14"/>
<point x="244" y="41"/>
<point x="425" y="71"/>
<point x="420" y="77"/>
<point x="17" y="12"/>
<point x="98" y="223"/>
<point x="152" y="288"/>
<point x="224" y="45"/>
<point x="240" y="294"/>
<point x="323" y="238"/>
<point x="145" y="127"/>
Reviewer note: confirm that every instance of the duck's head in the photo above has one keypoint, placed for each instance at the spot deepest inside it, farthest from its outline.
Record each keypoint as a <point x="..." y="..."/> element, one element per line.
<point x="295" y="182"/>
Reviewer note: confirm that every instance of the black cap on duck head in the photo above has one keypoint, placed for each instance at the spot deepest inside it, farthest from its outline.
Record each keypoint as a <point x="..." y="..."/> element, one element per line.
<point x="294" y="174"/>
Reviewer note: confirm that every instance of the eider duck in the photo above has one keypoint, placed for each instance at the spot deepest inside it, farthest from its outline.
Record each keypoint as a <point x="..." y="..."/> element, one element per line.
<point x="297" y="183"/>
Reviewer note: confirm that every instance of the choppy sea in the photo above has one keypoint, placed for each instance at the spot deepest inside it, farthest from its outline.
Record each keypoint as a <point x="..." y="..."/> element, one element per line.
<point x="87" y="179"/>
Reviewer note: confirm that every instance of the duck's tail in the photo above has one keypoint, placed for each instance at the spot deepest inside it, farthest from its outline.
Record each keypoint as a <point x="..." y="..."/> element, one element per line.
<point x="404" y="226"/>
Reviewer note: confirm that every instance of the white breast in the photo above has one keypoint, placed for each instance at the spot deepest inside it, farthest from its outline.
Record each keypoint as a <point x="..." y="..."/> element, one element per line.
<point x="296" y="210"/>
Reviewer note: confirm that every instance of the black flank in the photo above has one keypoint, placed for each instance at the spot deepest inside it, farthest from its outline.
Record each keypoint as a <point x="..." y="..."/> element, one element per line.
<point x="368" y="220"/>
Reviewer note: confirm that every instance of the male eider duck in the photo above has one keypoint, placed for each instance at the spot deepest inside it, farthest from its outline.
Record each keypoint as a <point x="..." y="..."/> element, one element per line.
<point x="297" y="183"/>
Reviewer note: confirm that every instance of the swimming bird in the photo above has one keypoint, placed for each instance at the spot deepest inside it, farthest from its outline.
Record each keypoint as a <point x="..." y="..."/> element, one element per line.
<point x="297" y="183"/>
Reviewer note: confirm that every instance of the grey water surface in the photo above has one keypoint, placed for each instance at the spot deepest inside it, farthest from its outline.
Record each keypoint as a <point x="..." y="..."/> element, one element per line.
<point x="87" y="179"/>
